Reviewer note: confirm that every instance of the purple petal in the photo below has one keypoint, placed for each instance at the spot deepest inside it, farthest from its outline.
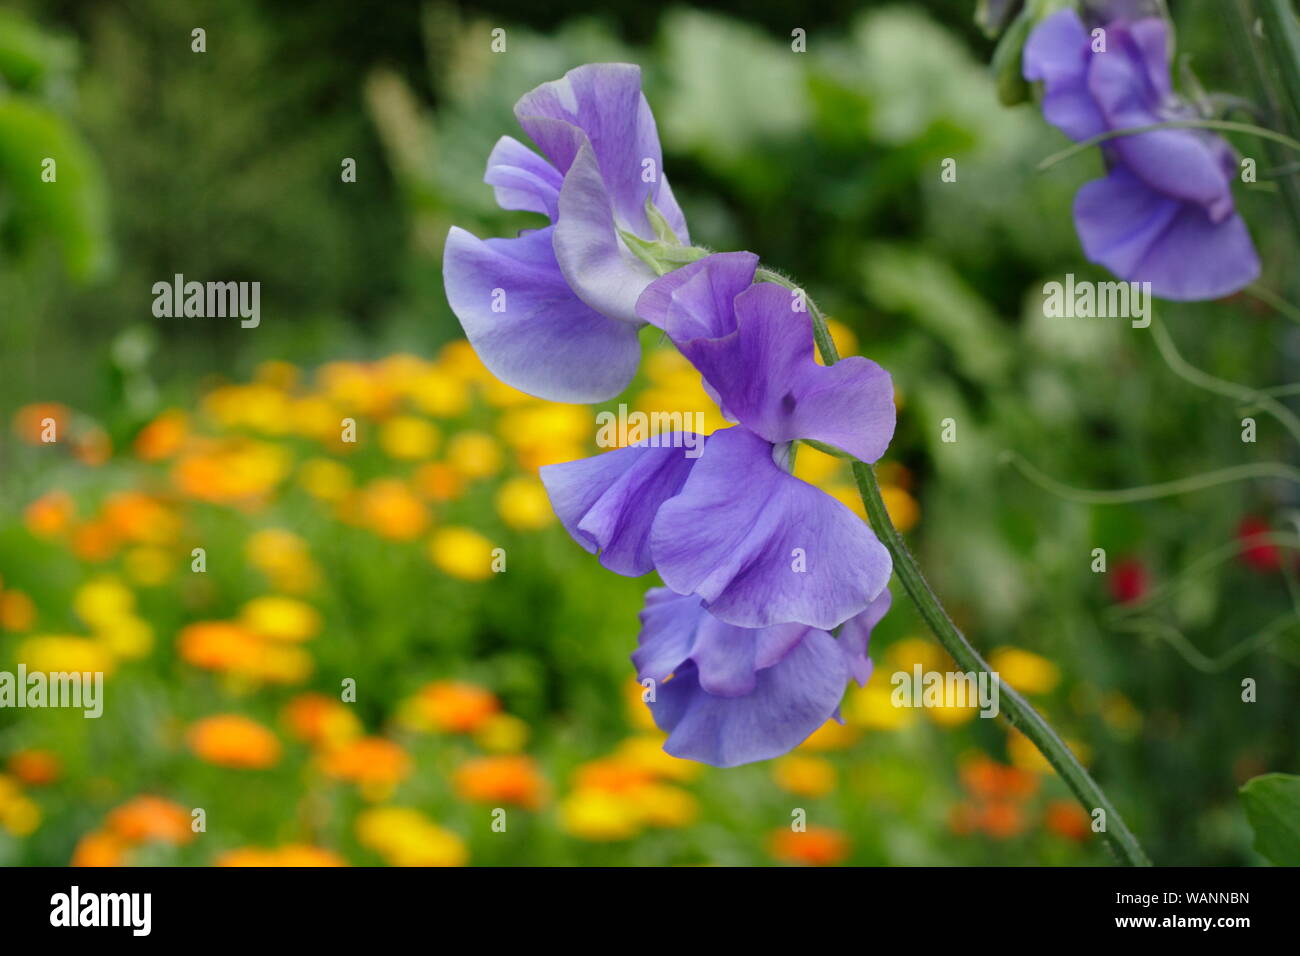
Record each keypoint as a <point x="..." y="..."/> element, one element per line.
<point x="676" y="628"/>
<point x="855" y="635"/>
<point x="697" y="300"/>
<point x="1143" y="236"/>
<point x="594" y="260"/>
<point x="762" y="547"/>
<point x="1058" y="53"/>
<point x="545" y="341"/>
<point x="1183" y="164"/>
<point x="608" y="502"/>
<point x="789" y="701"/>
<point x="523" y="180"/>
<point x="602" y="104"/>
<point x="766" y="377"/>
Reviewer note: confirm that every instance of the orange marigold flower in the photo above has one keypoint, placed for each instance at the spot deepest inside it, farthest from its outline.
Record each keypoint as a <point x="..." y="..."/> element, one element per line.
<point x="321" y="720"/>
<point x="147" y="818"/>
<point x="163" y="437"/>
<point x="457" y="707"/>
<point x="1001" y="819"/>
<point x="42" y="420"/>
<point x="504" y="779"/>
<point x="36" y="768"/>
<point x="816" y="846"/>
<point x="373" y="761"/>
<point x="17" y="612"/>
<point x="232" y="740"/>
<point x="100" y="849"/>
<point x="292" y="855"/>
<point x="1066" y="818"/>
<point x="218" y="646"/>
<point x="391" y="510"/>
<point x="50" y="515"/>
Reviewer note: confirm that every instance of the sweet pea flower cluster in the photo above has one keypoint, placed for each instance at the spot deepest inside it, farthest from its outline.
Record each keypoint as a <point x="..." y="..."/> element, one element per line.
<point x="1164" y="212"/>
<point x="759" y="567"/>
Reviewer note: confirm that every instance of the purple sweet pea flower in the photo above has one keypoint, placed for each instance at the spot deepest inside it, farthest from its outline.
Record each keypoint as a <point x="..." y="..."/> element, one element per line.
<point x="729" y="695"/>
<point x="1164" y="214"/>
<point x="552" y="312"/>
<point x="758" y="545"/>
<point x="753" y="344"/>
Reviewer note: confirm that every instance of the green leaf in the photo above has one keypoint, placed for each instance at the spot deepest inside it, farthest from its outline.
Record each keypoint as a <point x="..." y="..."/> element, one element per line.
<point x="73" y="208"/>
<point x="1272" y="805"/>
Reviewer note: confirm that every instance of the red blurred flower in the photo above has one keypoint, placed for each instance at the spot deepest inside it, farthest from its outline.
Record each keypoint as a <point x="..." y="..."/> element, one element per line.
<point x="1129" y="581"/>
<point x="1257" y="552"/>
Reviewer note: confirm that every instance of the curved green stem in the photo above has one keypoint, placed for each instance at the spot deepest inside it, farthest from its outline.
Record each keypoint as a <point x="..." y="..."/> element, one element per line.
<point x="1019" y="712"/>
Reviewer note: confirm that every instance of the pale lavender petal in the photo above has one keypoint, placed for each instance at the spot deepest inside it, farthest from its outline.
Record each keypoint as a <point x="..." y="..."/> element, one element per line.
<point x="1181" y="163"/>
<point x="697" y="300"/>
<point x="1058" y="53"/>
<point x="602" y="104"/>
<point x="762" y="547"/>
<point x="790" y="700"/>
<point x="608" y="502"/>
<point x="1143" y="236"/>
<point x="855" y="635"/>
<point x="523" y="180"/>
<point x="544" y="341"/>
<point x="594" y="260"/>
<point x="767" y="378"/>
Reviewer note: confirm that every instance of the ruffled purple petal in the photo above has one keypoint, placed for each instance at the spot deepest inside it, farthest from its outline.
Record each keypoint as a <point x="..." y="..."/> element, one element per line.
<point x="594" y="260"/>
<point x="855" y="636"/>
<point x="762" y="547"/>
<point x="602" y="104"/>
<point x="1181" y="163"/>
<point x="790" y="700"/>
<point x="523" y="180"/>
<point x="697" y="300"/>
<point x="767" y="379"/>
<point x="545" y="342"/>
<point x="1142" y="235"/>
<point x="1058" y="53"/>
<point x="608" y="502"/>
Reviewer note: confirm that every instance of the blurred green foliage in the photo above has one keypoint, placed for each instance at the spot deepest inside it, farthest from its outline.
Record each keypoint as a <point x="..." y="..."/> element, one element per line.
<point x="827" y="164"/>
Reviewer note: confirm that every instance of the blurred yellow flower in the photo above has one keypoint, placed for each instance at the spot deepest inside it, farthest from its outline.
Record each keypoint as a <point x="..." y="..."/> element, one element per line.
<point x="474" y="454"/>
<point x="872" y="707"/>
<point x="406" y="837"/>
<point x="103" y="600"/>
<point x="408" y="438"/>
<point x="284" y="558"/>
<point x="804" y="776"/>
<point x="281" y="618"/>
<point x="325" y="479"/>
<point x="129" y="637"/>
<point x="1025" y="671"/>
<point x="502" y="733"/>
<point x="50" y="653"/>
<point x="148" y="566"/>
<point x="832" y="735"/>
<point x="599" y="815"/>
<point x="523" y="503"/>
<point x="646" y="753"/>
<point x="437" y="393"/>
<point x="662" y="805"/>
<point x="462" y="553"/>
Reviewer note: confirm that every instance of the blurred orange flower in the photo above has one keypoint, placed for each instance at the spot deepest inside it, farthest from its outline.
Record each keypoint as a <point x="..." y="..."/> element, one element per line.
<point x="504" y="779"/>
<point x="232" y="740"/>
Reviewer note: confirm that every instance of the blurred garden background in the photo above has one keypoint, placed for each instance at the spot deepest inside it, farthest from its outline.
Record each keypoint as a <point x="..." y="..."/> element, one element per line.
<point x="326" y="562"/>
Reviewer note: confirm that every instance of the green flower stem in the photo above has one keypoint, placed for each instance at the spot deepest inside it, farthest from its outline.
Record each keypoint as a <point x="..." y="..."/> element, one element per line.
<point x="1017" y="710"/>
